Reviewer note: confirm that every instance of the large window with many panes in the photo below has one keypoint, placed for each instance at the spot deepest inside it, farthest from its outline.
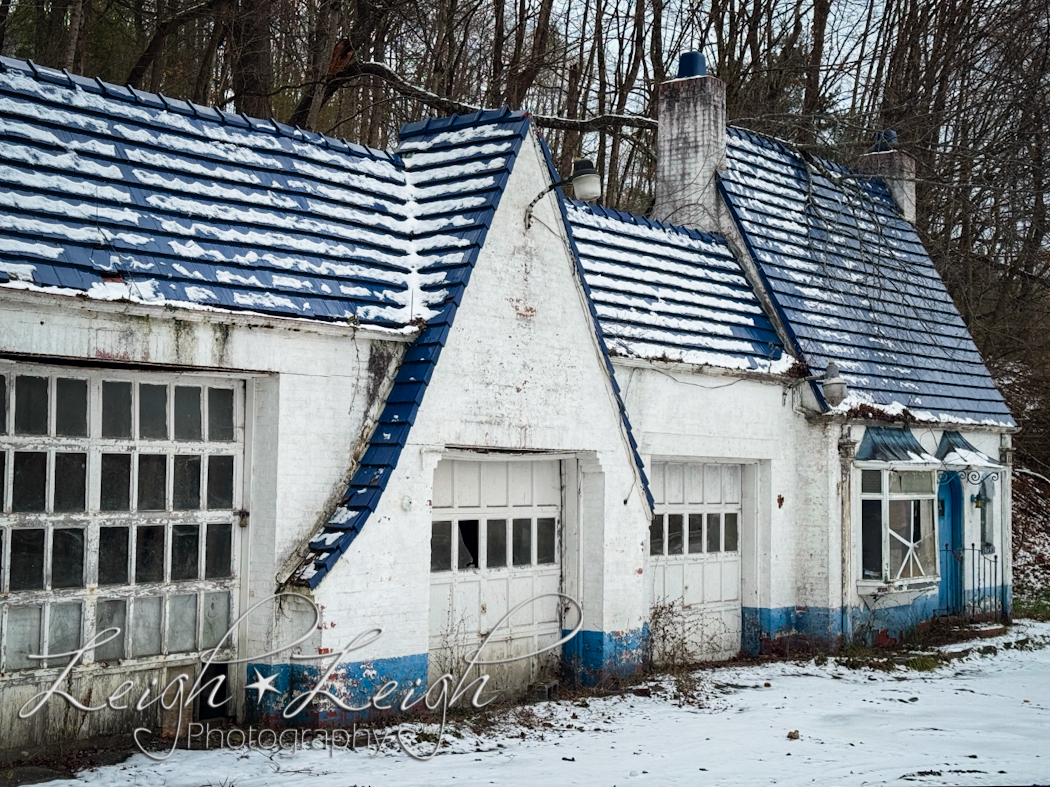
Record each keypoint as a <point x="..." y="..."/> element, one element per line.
<point x="898" y="536"/>
<point x="119" y="494"/>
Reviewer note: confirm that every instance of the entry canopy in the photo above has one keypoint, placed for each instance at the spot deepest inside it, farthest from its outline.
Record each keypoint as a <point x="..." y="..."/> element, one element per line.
<point x="956" y="451"/>
<point x="885" y="444"/>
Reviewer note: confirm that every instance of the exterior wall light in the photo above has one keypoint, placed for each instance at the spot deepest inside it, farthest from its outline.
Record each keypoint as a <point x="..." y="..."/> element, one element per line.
<point x="835" y="388"/>
<point x="978" y="500"/>
<point x="585" y="181"/>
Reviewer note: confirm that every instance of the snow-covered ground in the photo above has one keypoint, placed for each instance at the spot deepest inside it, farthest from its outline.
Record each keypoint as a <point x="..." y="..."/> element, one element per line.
<point x="982" y="719"/>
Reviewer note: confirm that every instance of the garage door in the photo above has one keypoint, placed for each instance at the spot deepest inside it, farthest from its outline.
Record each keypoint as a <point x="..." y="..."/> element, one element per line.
<point x="694" y="560"/>
<point x="495" y="542"/>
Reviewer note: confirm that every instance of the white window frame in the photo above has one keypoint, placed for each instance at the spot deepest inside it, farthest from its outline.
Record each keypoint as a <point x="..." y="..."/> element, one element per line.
<point x="92" y="519"/>
<point x="662" y="509"/>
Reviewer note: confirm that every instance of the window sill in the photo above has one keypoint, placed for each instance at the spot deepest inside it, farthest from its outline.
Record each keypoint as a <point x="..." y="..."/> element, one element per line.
<point x="876" y="587"/>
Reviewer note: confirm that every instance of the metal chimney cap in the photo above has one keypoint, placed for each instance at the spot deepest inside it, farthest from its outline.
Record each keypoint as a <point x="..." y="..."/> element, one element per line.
<point x="884" y="140"/>
<point x="691" y="64"/>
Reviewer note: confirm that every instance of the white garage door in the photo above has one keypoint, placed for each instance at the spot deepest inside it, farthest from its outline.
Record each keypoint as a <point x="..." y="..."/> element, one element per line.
<point x="694" y="563"/>
<point x="496" y="542"/>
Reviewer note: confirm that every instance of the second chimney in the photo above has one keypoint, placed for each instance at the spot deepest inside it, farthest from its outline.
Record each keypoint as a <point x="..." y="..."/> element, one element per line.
<point x="691" y="146"/>
<point x="895" y="167"/>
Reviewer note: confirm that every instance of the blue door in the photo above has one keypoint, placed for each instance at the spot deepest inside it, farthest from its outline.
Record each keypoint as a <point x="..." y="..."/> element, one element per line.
<point x="950" y="543"/>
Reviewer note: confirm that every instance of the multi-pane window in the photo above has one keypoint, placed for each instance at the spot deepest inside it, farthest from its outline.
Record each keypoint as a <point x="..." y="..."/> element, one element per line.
<point x="117" y="500"/>
<point x="898" y="535"/>
<point x="504" y="543"/>
<point x="697" y="509"/>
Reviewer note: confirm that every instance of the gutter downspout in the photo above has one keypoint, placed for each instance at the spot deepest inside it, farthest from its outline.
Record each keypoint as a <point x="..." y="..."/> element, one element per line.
<point x="847" y="450"/>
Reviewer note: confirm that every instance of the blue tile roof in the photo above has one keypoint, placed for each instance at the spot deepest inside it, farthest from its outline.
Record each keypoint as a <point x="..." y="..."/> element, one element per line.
<point x="853" y="283"/>
<point x="666" y="292"/>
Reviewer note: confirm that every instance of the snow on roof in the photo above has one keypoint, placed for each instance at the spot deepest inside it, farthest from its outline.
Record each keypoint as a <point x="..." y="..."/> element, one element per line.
<point x="670" y="293"/>
<point x="113" y="192"/>
<point x="854" y="284"/>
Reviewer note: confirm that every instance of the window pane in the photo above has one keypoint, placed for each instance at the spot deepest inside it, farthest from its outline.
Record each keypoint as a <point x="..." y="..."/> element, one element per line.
<point x="23" y="637"/>
<point x="496" y="547"/>
<point x="696" y="533"/>
<point x="925" y="554"/>
<point x="145" y="634"/>
<point x="911" y="482"/>
<point x="67" y="557"/>
<point x="871" y="538"/>
<point x="149" y="554"/>
<point x="220" y="482"/>
<point x="675" y="536"/>
<point x="153" y="482"/>
<point x="112" y="556"/>
<point x="713" y="483"/>
<point x="468" y="543"/>
<point x="216" y="618"/>
<point x="116" y="409"/>
<point x="441" y="546"/>
<point x="63" y="632"/>
<point x="732" y="534"/>
<point x="153" y="412"/>
<point x="71" y="398"/>
<point x="522" y="542"/>
<point x="187" y="413"/>
<point x="27" y="559"/>
<point x="219" y="551"/>
<point x="3" y="404"/>
<point x="871" y="481"/>
<point x="714" y="532"/>
<point x="731" y="483"/>
<point x="182" y="624"/>
<point x="901" y="516"/>
<point x="31" y="405"/>
<point x="70" y="482"/>
<point x="30" y="482"/>
<point x="220" y="414"/>
<point x="187" y="492"/>
<point x="546" y="541"/>
<point x="656" y="535"/>
<point x="116" y="482"/>
<point x="110" y="613"/>
<point x="3" y="481"/>
<point x="185" y="546"/>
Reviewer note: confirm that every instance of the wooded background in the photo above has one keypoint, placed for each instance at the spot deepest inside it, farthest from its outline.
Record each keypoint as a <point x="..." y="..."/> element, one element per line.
<point x="964" y="83"/>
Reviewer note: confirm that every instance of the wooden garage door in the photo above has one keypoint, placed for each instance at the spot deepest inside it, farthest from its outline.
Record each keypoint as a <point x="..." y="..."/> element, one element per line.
<point x="694" y="562"/>
<point x="495" y="542"/>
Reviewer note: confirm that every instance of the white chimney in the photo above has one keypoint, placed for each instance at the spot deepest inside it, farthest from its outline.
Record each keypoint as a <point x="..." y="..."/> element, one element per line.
<point x="691" y="147"/>
<point x="895" y="167"/>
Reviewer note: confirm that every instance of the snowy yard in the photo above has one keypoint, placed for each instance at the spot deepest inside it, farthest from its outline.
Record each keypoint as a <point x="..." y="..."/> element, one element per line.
<point x="981" y="719"/>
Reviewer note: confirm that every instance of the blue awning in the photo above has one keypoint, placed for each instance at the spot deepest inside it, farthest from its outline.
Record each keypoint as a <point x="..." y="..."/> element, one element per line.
<point x="956" y="451"/>
<point x="885" y="444"/>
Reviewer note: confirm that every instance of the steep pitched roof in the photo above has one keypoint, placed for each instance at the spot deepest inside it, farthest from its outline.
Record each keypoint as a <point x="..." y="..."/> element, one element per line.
<point x="672" y="293"/>
<point x="854" y="284"/>
<point x="119" y="193"/>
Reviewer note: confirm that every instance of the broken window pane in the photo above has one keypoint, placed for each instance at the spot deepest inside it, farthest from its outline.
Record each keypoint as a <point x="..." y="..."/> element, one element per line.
<point x="496" y="546"/>
<point x="116" y="409"/>
<point x="187" y="493"/>
<point x="219" y="551"/>
<point x="116" y="482"/>
<point x="185" y="544"/>
<point x="522" y="542"/>
<point x="696" y="533"/>
<point x="71" y="399"/>
<point x="714" y="532"/>
<point x="911" y="482"/>
<point x="216" y="618"/>
<point x="29" y="491"/>
<point x="220" y="482"/>
<point x="70" y="482"/>
<point x="732" y="534"/>
<point x="871" y="481"/>
<point x="220" y="414"/>
<point x="546" y="541"/>
<point x="31" y="405"/>
<point x="468" y="543"/>
<point x="153" y="482"/>
<point x="145" y="633"/>
<point x="153" y="412"/>
<point x="871" y="538"/>
<point x="675" y="536"/>
<point x="63" y="632"/>
<point x="27" y="559"/>
<point x="911" y="539"/>
<point x="149" y="553"/>
<point x="656" y="535"/>
<point x="112" y="556"/>
<point x="441" y="546"/>
<point x="67" y="557"/>
<point x="23" y="637"/>
<point x="187" y="413"/>
<point x="182" y="624"/>
<point x="110" y="613"/>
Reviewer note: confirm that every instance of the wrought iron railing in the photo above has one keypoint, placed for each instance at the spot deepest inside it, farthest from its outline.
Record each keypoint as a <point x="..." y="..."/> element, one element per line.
<point x="984" y="595"/>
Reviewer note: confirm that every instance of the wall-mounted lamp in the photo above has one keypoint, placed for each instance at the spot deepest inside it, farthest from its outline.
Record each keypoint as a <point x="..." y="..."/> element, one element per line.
<point x="835" y="388"/>
<point x="979" y="499"/>
<point x="585" y="181"/>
